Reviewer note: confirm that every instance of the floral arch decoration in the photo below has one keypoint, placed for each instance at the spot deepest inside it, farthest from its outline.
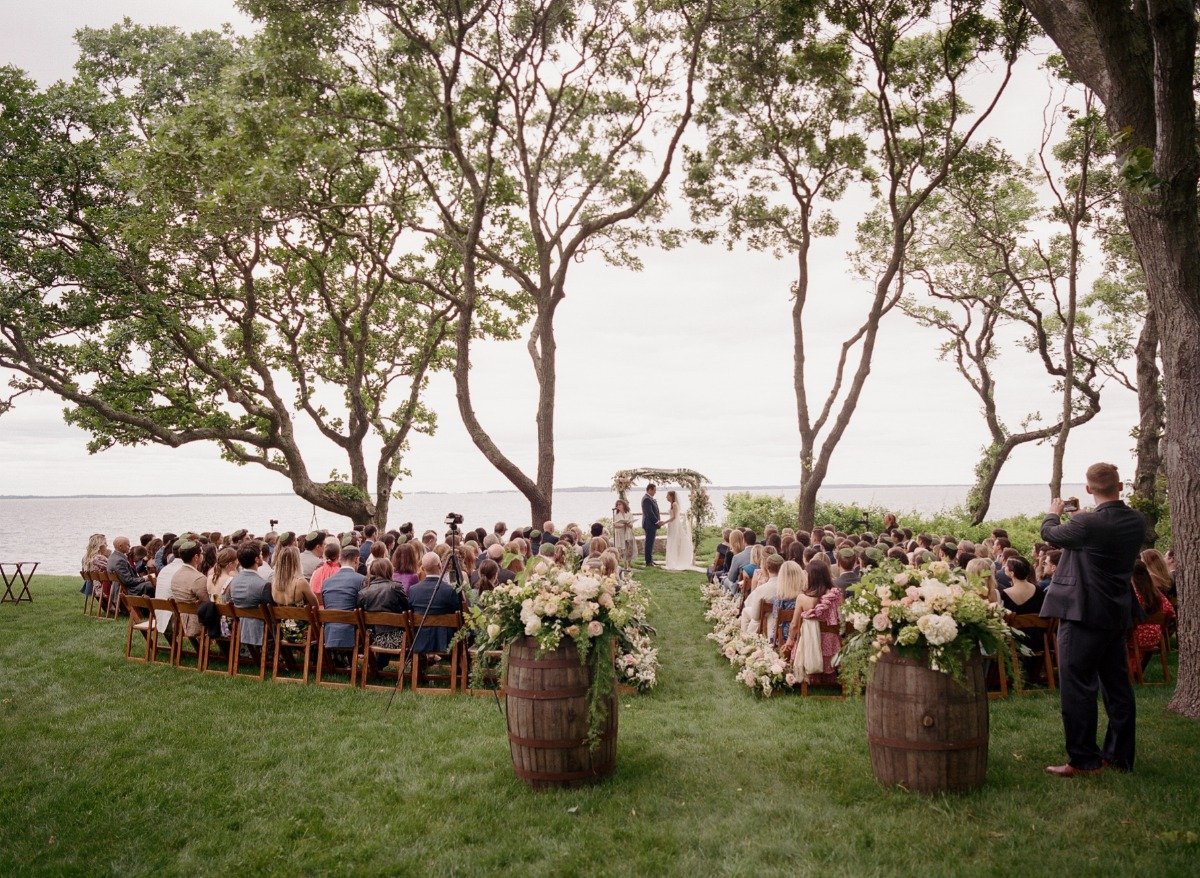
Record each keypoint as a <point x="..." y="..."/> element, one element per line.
<point x="700" y="509"/>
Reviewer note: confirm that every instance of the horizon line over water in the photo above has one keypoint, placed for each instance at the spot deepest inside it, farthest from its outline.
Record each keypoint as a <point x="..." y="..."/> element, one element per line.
<point x="54" y="530"/>
<point x="571" y="490"/>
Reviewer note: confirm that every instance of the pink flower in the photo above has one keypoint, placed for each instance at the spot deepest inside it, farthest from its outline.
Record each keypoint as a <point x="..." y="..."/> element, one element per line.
<point x="881" y="622"/>
<point x="913" y="592"/>
<point x="595" y="629"/>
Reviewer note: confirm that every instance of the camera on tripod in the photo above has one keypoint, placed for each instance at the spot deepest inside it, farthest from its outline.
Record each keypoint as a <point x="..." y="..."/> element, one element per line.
<point x="453" y="520"/>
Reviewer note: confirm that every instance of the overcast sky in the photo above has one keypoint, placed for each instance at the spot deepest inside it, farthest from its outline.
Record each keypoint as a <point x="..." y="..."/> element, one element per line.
<point x="685" y="364"/>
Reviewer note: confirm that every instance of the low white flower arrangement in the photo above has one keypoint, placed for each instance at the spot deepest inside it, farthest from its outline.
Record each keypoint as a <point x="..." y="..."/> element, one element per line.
<point x="761" y="667"/>
<point x="938" y="616"/>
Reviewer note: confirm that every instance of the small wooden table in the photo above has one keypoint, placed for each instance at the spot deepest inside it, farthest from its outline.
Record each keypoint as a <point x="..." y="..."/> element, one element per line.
<point x="13" y="572"/>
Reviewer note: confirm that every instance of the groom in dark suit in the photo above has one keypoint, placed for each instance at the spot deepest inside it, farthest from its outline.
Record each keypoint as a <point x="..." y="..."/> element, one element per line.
<point x="650" y="519"/>
<point x="1091" y="597"/>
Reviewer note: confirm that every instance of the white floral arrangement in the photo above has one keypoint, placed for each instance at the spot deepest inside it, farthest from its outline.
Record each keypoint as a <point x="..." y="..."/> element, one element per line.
<point x="595" y="612"/>
<point x="637" y="659"/>
<point x="932" y="613"/>
<point x="761" y="667"/>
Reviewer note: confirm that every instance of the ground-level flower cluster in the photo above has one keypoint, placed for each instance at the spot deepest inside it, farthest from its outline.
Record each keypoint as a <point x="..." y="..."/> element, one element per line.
<point x="760" y="666"/>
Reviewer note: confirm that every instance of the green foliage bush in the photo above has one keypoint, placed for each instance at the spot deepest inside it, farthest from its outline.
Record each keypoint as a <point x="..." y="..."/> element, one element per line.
<point x="756" y="511"/>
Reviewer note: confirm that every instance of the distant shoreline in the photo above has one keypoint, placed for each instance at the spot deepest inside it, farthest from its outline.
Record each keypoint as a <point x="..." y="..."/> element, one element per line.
<point x="575" y="490"/>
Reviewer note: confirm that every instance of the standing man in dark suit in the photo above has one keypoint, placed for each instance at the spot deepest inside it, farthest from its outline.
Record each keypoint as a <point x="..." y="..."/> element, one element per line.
<point x="650" y="519"/>
<point x="1090" y="595"/>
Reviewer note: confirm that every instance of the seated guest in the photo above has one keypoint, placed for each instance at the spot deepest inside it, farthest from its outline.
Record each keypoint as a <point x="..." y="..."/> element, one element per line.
<point x="189" y="584"/>
<point x="489" y="572"/>
<point x="1050" y="559"/>
<point x="1022" y="596"/>
<point x="548" y="535"/>
<point x="314" y="553"/>
<point x="733" y="578"/>
<point x="340" y="592"/>
<point x="496" y="553"/>
<point x="368" y="543"/>
<point x="289" y="588"/>
<point x="561" y="557"/>
<point x="429" y="540"/>
<point x="469" y="561"/>
<point x="848" y="569"/>
<point x="596" y="547"/>
<point x="381" y="594"/>
<point x="1164" y="579"/>
<point x="1151" y="599"/>
<point x="986" y="573"/>
<point x="248" y="590"/>
<point x="432" y="596"/>
<point x="265" y="570"/>
<point x="753" y="573"/>
<point x="610" y="563"/>
<point x="163" y="556"/>
<point x="95" y="560"/>
<point x="820" y="600"/>
<point x="501" y="531"/>
<point x="768" y="591"/>
<point x="118" y="565"/>
<point x="154" y="551"/>
<point x="331" y="565"/>
<point x="405" y="560"/>
<point x="163" y="591"/>
<point x="791" y="581"/>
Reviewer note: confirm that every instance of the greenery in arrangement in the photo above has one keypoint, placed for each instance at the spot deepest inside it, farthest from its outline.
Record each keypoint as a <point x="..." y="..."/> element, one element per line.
<point x="555" y="606"/>
<point x="933" y="614"/>
<point x="111" y="767"/>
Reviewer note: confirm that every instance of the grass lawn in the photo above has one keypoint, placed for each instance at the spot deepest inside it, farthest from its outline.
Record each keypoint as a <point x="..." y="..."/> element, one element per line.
<point x="111" y="767"/>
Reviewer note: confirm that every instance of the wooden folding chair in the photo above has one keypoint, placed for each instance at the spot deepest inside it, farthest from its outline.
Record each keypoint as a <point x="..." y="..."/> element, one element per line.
<point x="187" y="608"/>
<point x="805" y="686"/>
<point x="116" y="590"/>
<point x="163" y="605"/>
<point x="91" y="588"/>
<point x="456" y="654"/>
<point x="371" y="650"/>
<point x="141" y="619"/>
<point x="325" y="617"/>
<point x="226" y="611"/>
<point x="262" y="614"/>
<point x="279" y="615"/>
<point x="101" y="587"/>
<point x="1033" y="622"/>
<point x="765" y="608"/>
<point x="1136" y="653"/>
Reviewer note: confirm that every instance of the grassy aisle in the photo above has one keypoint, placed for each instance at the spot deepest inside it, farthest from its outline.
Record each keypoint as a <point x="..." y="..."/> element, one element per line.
<point x="112" y="767"/>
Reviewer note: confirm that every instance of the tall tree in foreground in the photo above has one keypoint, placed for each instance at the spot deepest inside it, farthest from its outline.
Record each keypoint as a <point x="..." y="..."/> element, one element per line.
<point x="539" y="132"/>
<point x="1139" y="59"/>
<point x="799" y="108"/>
<point x="170" y="266"/>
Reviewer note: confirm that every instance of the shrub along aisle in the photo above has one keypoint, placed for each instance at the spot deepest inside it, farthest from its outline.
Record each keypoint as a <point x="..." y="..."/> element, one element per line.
<point x="111" y="767"/>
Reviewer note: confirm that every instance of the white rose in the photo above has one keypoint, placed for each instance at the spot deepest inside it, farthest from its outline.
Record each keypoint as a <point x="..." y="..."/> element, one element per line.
<point x="900" y="579"/>
<point x="883" y="591"/>
<point x="493" y="631"/>
<point x="533" y="626"/>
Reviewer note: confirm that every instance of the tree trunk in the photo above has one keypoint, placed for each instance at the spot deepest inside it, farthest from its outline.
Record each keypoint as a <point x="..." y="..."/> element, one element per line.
<point x="806" y="512"/>
<point x="979" y="498"/>
<point x="546" y="366"/>
<point x="1147" y="496"/>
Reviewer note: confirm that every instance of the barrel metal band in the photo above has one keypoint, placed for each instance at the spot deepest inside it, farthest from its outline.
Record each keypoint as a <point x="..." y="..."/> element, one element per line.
<point x="544" y="663"/>
<point x="595" y="771"/>
<point x="543" y="744"/>
<point x="903" y="744"/>
<point x="545" y="694"/>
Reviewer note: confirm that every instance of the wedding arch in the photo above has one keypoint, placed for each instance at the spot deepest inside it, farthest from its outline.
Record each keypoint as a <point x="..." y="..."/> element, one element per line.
<point x="700" y="510"/>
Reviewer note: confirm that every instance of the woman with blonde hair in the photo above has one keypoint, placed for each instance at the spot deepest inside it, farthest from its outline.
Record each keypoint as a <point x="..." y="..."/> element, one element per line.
<point x="789" y="589"/>
<point x="94" y="559"/>
<point x="754" y="572"/>
<point x="289" y="588"/>
<point x="820" y="601"/>
<point x="986" y="571"/>
<point x="1160" y="574"/>
<point x="609" y="562"/>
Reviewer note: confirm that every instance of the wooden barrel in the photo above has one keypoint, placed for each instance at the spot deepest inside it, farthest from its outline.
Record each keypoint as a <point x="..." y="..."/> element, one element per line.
<point x="927" y="733"/>
<point x="547" y="705"/>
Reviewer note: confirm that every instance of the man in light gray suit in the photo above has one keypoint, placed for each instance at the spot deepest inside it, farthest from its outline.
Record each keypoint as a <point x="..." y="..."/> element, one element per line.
<point x="248" y="590"/>
<point x="740" y="560"/>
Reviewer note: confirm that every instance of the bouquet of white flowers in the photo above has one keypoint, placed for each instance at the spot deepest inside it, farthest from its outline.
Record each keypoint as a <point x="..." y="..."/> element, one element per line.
<point x="932" y="613"/>
<point x="549" y="605"/>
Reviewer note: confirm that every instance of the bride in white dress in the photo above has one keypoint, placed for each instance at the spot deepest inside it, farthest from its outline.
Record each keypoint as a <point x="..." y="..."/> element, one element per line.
<point x="679" y="536"/>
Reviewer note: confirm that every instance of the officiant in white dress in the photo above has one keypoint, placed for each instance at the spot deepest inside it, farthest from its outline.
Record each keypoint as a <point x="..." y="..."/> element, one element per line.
<point x="679" y="536"/>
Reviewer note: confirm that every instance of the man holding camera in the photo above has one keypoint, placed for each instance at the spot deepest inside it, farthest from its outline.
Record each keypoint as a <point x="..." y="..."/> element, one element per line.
<point x="1090" y="595"/>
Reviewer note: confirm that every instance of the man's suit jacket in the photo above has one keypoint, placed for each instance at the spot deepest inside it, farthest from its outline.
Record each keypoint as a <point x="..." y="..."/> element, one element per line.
<point x="650" y="514"/>
<point x="1091" y="583"/>
<point x="429" y="597"/>
<point x="549" y="539"/>
<point x="189" y="584"/>
<point x="119" y="564"/>
<point x="248" y="590"/>
<point x="740" y="560"/>
<point x="340" y="592"/>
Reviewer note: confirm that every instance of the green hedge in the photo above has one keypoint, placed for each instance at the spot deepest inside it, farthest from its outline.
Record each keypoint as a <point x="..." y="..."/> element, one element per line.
<point x="756" y="511"/>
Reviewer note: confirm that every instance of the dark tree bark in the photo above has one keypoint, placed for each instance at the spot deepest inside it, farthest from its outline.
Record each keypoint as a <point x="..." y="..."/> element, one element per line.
<point x="1146" y="485"/>
<point x="1140" y="61"/>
